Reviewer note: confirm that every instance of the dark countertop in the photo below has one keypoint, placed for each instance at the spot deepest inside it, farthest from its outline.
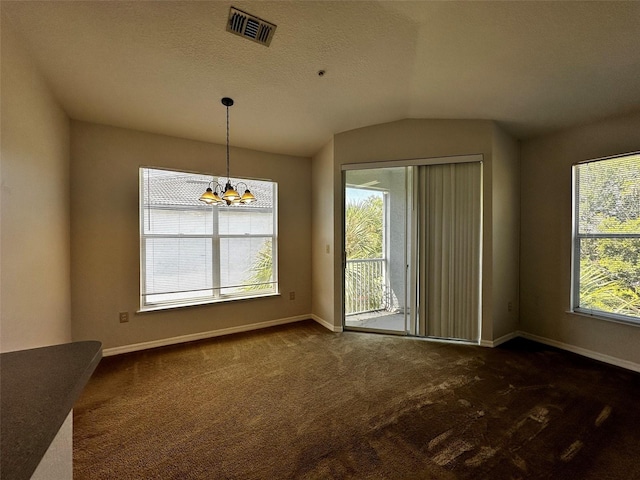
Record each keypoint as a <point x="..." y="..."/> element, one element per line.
<point x="38" y="388"/>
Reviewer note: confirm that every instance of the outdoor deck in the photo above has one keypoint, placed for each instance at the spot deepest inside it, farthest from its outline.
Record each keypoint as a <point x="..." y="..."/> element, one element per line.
<point x="380" y="320"/>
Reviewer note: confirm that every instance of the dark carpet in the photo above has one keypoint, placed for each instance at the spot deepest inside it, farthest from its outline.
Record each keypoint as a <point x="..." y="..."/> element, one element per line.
<point x="298" y="401"/>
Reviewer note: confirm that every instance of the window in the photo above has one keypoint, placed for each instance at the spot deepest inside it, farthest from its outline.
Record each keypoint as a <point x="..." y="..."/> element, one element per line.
<point x="606" y="257"/>
<point x="193" y="253"/>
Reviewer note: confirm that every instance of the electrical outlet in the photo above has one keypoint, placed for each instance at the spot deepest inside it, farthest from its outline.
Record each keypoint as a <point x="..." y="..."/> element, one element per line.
<point x="327" y="248"/>
<point x="292" y="295"/>
<point x="509" y="306"/>
<point x="124" y="317"/>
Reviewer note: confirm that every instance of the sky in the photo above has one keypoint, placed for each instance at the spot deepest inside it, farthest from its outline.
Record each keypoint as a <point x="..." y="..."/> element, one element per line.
<point x="359" y="194"/>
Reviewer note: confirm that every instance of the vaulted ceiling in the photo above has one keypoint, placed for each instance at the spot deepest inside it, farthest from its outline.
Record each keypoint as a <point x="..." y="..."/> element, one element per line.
<point x="163" y="67"/>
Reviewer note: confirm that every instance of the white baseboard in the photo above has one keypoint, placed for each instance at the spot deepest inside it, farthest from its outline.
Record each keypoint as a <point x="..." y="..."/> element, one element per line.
<point x="325" y="324"/>
<point x="618" y="362"/>
<point x="499" y="341"/>
<point x="201" y="336"/>
<point x="282" y="321"/>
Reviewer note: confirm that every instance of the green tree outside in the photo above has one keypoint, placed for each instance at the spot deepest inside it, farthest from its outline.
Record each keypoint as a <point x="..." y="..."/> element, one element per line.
<point x="364" y="284"/>
<point x="609" y="204"/>
<point x="261" y="273"/>
<point x="363" y="228"/>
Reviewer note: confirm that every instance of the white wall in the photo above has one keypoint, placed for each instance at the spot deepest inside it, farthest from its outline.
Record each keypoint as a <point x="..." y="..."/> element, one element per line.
<point x="105" y="265"/>
<point x="506" y="234"/>
<point x="34" y="144"/>
<point x="322" y="236"/>
<point x="545" y="261"/>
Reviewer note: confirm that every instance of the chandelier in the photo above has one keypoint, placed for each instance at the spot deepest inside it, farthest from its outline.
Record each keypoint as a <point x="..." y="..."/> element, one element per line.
<point x="230" y="195"/>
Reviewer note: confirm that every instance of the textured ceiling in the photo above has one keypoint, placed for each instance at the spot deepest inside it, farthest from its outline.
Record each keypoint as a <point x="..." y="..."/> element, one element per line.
<point x="163" y="66"/>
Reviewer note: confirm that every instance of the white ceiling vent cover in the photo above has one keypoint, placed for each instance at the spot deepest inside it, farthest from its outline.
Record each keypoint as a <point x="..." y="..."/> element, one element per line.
<point x="247" y="26"/>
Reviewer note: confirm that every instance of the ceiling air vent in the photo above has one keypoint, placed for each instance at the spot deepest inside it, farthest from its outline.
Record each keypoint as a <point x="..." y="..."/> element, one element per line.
<point x="247" y="26"/>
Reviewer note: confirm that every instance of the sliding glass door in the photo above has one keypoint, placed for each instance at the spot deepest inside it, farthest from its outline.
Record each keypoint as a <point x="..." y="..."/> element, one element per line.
<point x="375" y="295"/>
<point x="412" y="248"/>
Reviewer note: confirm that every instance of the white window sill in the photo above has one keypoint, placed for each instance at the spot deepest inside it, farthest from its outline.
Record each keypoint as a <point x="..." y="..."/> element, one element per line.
<point x="199" y="303"/>
<point x="599" y="316"/>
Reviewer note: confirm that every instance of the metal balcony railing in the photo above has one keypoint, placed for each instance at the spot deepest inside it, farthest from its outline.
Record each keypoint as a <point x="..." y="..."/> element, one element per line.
<point x="365" y="286"/>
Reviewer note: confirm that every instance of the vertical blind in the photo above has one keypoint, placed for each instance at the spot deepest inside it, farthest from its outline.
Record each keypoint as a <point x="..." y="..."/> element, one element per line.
<point x="450" y="229"/>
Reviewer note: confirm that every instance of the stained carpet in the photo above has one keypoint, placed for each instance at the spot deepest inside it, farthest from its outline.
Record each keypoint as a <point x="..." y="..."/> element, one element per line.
<point x="298" y="401"/>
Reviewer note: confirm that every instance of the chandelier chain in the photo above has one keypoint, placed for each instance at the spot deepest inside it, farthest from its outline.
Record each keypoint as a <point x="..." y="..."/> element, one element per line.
<point x="228" y="176"/>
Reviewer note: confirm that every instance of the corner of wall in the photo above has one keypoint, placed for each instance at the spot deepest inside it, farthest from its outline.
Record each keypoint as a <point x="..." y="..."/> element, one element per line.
<point x="35" y="135"/>
<point x="323" y="248"/>
<point x="546" y="240"/>
<point x="506" y="232"/>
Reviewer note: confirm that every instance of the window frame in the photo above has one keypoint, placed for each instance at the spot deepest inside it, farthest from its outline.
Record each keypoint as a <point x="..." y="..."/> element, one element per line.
<point x="576" y="238"/>
<point x="216" y="295"/>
